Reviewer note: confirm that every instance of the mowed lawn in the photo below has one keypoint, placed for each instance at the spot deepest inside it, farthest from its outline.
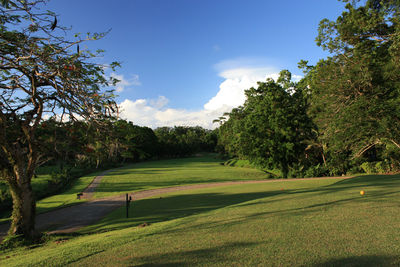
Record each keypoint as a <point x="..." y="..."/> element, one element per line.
<point x="172" y="172"/>
<point x="66" y="198"/>
<point x="291" y="223"/>
<point x="143" y="176"/>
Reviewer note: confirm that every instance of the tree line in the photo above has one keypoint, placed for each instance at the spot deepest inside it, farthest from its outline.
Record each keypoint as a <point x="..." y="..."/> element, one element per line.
<point x="78" y="143"/>
<point x="75" y="148"/>
<point x="342" y="117"/>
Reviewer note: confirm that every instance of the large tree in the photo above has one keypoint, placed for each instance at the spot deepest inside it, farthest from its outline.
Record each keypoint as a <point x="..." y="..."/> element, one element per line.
<point x="356" y="91"/>
<point x="272" y="127"/>
<point x="41" y="73"/>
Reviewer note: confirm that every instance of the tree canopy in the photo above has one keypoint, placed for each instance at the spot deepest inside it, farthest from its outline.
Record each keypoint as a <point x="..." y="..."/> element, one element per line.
<point x="344" y="113"/>
<point x="356" y="91"/>
<point x="41" y="74"/>
<point x="272" y="126"/>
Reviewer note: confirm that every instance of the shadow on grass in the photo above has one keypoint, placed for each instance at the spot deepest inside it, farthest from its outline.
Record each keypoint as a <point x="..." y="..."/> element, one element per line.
<point x="167" y="164"/>
<point x="209" y="256"/>
<point x="177" y="206"/>
<point x="361" y="261"/>
<point x="145" y="185"/>
<point x="172" y="207"/>
<point x="369" y="180"/>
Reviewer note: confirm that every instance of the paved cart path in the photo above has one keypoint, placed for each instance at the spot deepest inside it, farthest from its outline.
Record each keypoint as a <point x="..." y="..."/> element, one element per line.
<point x="72" y="218"/>
<point x="88" y="193"/>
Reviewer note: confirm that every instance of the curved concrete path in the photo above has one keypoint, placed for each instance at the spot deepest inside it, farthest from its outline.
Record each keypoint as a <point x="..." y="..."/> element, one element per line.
<point x="72" y="218"/>
<point x="88" y="193"/>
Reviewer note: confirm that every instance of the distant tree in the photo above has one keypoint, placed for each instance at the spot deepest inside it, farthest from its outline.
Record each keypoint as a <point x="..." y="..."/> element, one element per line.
<point x="41" y="73"/>
<point x="181" y="141"/>
<point x="229" y="132"/>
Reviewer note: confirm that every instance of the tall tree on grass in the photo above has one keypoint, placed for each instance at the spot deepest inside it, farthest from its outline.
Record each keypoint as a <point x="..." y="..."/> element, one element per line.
<point x="356" y="91"/>
<point x="41" y="72"/>
<point x="272" y="127"/>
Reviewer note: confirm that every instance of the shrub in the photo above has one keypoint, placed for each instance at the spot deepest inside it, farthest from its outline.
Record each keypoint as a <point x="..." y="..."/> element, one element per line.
<point x="368" y="167"/>
<point x="355" y="170"/>
<point x="58" y="178"/>
<point x="382" y="167"/>
<point x="316" y="171"/>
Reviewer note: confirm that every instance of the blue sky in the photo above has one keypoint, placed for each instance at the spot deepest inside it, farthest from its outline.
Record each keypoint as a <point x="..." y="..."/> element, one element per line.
<point x="185" y="62"/>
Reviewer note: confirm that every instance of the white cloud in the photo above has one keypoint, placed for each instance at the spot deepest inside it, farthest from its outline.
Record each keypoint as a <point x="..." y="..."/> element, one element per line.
<point x="231" y="90"/>
<point x="239" y="75"/>
<point x="125" y="82"/>
<point x="154" y="113"/>
<point x="296" y="78"/>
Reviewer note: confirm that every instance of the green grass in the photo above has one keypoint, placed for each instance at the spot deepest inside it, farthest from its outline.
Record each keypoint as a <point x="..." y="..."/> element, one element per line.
<point x="308" y="223"/>
<point x="66" y="198"/>
<point x="39" y="183"/>
<point x="173" y="172"/>
<point x="142" y="176"/>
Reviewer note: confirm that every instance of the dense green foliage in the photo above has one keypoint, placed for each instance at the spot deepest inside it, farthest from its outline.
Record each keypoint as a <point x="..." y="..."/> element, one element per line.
<point x="272" y="127"/>
<point x="183" y="141"/>
<point x="81" y="144"/>
<point x="356" y="91"/>
<point x="343" y="116"/>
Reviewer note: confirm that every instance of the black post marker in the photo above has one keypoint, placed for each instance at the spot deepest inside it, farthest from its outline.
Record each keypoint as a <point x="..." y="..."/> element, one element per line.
<point x="127" y="206"/>
<point x="128" y="200"/>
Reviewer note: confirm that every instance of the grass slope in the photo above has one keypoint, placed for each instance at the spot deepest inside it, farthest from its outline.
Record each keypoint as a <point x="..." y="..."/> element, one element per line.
<point x="142" y="176"/>
<point x="172" y="172"/>
<point x="63" y="199"/>
<point x="68" y="197"/>
<point x="308" y="223"/>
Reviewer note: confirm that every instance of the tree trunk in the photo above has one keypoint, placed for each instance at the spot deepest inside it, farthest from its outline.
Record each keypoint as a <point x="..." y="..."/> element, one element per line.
<point x="24" y="208"/>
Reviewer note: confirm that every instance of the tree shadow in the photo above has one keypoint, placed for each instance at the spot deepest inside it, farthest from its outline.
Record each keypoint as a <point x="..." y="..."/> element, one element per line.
<point x="181" y="205"/>
<point x="368" y="180"/>
<point x="306" y="209"/>
<point x="165" y="164"/>
<point x="361" y="261"/>
<point x="160" y="209"/>
<point x="215" y="255"/>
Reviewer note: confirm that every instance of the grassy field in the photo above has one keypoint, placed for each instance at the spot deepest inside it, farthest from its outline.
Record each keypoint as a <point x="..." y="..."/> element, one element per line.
<point x="65" y="198"/>
<point x="173" y="172"/>
<point x="142" y="176"/>
<point x="68" y="197"/>
<point x="291" y="223"/>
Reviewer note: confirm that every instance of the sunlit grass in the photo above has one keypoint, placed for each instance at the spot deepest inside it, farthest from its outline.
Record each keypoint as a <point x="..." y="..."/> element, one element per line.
<point x="308" y="223"/>
<point x="142" y="176"/>
<point x="68" y="197"/>
<point x="173" y="172"/>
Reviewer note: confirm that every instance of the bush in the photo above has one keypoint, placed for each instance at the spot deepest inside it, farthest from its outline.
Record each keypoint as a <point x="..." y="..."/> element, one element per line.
<point x="382" y="167"/>
<point x="59" y="178"/>
<point x="368" y="167"/>
<point x="239" y="163"/>
<point x="355" y="170"/>
<point x="316" y="171"/>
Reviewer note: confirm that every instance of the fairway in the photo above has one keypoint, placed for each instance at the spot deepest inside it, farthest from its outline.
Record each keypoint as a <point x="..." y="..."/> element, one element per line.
<point x="286" y="223"/>
<point x="172" y="172"/>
